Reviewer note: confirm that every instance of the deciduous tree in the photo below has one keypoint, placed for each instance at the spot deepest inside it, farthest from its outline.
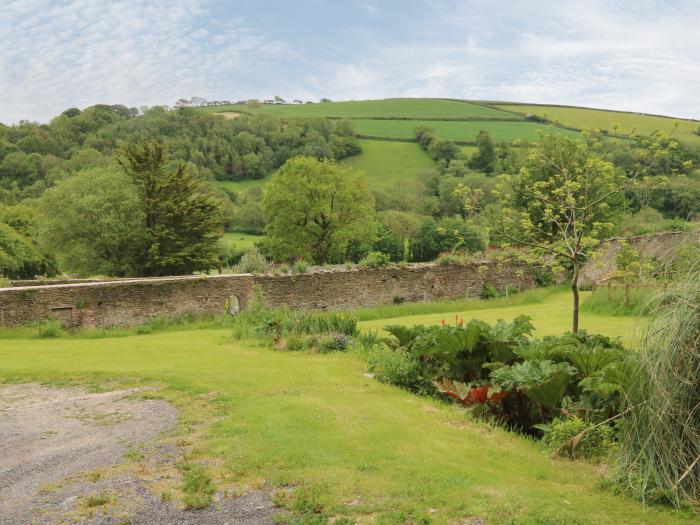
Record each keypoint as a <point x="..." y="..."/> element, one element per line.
<point x="314" y="208"/>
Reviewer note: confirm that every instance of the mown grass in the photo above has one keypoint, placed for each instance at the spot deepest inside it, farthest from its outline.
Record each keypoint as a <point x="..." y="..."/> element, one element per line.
<point x="387" y="163"/>
<point x="392" y="107"/>
<point x="462" y="131"/>
<point x="241" y="241"/>
<point x="551" y="315"/>
<point x="593" y="118"/>
<point x="374" y="452"/>
<point x="391" y="311"/>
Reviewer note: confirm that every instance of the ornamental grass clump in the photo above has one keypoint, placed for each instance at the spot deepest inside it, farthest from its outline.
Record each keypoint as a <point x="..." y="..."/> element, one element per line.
<point x="660" y="444"/>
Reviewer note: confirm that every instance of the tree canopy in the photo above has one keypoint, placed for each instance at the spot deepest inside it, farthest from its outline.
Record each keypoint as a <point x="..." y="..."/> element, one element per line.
<point x="315" y="208"/>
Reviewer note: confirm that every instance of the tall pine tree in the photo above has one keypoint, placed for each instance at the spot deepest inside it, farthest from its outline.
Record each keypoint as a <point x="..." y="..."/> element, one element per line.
<point x="183" y="223"/>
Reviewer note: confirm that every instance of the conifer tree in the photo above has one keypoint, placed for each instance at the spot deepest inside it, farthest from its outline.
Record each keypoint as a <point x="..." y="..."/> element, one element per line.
<point x="182" y="222"/>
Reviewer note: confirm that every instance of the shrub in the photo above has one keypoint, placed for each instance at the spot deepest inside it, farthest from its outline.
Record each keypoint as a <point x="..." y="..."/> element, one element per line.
<point x="396" y="367"/>
<point x="544" y="276"/>
<point x="374" y="260"/>
<point x="50" y="328"/>
<point x="300" y="266"/>
<point x="489" y="291"/>
<point x="575" y="438"/>
<point x="253" y="261"/>
<point x="335" y="343"/>
<point x="447" y="259"/>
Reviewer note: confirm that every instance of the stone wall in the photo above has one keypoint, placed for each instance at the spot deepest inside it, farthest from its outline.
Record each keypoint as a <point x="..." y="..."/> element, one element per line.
<point x="134" y="301"/>
<point x="659" y="246"/>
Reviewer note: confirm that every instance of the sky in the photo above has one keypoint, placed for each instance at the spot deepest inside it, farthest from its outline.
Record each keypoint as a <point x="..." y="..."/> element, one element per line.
<point x="640" y="55"/>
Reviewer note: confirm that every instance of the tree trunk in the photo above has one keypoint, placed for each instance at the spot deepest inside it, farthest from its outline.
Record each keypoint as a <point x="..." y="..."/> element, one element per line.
<point x="574" y="289"/>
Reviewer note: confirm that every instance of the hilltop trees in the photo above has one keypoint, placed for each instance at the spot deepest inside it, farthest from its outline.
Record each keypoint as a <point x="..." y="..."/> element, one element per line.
<point x="182" y="223"/>
<point x="315" y="209"/>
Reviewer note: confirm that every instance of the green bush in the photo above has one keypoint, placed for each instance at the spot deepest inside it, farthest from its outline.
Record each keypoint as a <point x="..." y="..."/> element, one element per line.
<point x="300" y="266"/>
<point x="253" y="261"/>
<point x="50" y="328"/>
<point x="575" y="438"/>
<point x="335" y="343"/>
<point x="374" y="260"/>
<point x="396" y="367"/>
<point x="489" y="291"/>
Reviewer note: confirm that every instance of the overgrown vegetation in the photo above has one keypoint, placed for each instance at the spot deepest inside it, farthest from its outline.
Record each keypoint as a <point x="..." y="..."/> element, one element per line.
<point x="660" y="449"/>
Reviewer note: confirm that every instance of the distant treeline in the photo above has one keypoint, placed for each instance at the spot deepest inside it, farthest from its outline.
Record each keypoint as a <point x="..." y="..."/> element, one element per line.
<point x="33" y="156"/>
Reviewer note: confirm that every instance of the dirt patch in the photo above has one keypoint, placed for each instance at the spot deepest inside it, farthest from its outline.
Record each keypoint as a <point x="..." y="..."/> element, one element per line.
<point x="68" y="456"/>
<point x="229" y="115"/>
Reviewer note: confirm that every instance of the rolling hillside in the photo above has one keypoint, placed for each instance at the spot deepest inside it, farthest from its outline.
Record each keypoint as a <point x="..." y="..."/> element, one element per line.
<point x="628" y="123"/>
<point x="386" y="127"/>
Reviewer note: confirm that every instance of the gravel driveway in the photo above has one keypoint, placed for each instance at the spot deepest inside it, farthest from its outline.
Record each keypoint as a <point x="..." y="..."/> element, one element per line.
<point x="51" y="437"/>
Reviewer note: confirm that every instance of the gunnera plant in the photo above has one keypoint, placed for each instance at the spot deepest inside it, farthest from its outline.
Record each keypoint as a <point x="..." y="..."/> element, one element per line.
<point x="660" y="438"/>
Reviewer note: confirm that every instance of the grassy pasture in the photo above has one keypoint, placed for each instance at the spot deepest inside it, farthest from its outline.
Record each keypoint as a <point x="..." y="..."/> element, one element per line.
<point x="451" y="130"/>
<point x="241" y="241"/>
<point x="392" y="107"/>
<point x="363" y="449"/>
<point x="386" y="163"/>
<point x="628" y="122"/>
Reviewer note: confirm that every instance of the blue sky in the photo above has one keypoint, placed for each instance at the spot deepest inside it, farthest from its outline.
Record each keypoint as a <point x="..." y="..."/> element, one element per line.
<point x="637" y="56"/>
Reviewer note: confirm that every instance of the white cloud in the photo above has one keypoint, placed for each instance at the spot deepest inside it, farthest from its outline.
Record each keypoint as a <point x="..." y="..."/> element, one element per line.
<point x="638" y="56"/>
<point x="54" y="55"/>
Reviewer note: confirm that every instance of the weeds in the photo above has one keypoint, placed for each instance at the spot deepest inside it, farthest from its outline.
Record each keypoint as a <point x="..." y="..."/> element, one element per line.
<point x="50" y="328"/>
<point x="196" y="485"/>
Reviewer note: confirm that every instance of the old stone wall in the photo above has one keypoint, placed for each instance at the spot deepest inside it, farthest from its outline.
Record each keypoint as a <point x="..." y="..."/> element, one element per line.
<point x="134" y="301"/>
<point x="659" y="246"/>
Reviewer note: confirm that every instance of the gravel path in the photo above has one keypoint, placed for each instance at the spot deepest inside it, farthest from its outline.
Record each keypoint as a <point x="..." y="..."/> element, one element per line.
<point x="50" y="436"/>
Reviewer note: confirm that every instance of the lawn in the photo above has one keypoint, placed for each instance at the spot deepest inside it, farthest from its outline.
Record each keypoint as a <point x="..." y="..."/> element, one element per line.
<point x="550" y="317"/>
<point x="387" y="163"/>
<point x="450" y="130"/>
<point x="594" y="118"/>
<point x="361" y="448"/>
<point x="393" y="107"/>
<point x="241" y="241"/>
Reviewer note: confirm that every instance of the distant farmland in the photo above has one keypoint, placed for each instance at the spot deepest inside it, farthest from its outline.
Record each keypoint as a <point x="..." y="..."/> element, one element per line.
<point x="393" y="159"/>
<point x="422" y="108"/>
<point x="581" y="118"/>
<point x="458" y="130"/>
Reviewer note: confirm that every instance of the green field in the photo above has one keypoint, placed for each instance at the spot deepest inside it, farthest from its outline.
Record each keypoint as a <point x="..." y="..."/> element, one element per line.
<point x="242" y="241"/>
<point x="242" y="185"/>
<point x="393" y="107"/>
<point x="384" y="162"/>
<point x="366" y="450"/>
<point x="387" y="163"/>
<point x="450" y="130"/>
<point x="628" y="122"/>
